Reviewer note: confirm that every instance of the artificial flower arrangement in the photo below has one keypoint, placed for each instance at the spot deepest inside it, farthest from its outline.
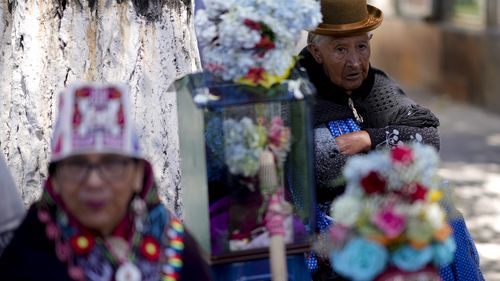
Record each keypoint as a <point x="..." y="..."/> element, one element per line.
<point x="253" y="41"/>
<point x="391" y="216"/>
<point x="246" y="144"/>
<point x="246" y="140"/>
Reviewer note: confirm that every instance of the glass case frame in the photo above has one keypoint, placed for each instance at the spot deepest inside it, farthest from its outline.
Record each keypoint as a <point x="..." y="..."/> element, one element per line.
<point x="200" y="96"/>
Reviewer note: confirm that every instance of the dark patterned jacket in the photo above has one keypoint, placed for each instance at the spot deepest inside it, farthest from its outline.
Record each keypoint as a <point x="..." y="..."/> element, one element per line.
<point x="389" y="117"/>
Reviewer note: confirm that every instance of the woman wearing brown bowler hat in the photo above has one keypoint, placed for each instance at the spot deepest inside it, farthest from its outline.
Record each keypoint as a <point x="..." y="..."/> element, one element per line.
<point x="360" y="108"/>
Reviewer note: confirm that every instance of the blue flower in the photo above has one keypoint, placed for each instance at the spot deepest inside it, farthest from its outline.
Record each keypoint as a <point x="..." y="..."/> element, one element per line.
<point x="444" y="252"/>
<point x="410" y="259"/>
<point x="360" y="259"/>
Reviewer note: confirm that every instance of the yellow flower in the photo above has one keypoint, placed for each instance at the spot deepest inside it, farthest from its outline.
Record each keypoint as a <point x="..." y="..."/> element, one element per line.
<point x="434" y="195"/>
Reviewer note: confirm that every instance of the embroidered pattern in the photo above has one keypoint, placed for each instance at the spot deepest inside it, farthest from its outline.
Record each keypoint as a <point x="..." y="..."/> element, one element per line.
<point x="394" y="139"/>
<point x="171" y="271"/>
<point x="89" y="258"/>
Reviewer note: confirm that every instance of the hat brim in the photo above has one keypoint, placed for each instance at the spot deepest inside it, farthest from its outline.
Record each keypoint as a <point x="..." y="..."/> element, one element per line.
<point x="374" y="20"/>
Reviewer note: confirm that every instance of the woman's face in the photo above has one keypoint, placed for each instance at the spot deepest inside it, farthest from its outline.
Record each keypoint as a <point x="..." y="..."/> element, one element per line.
<point x="345" y="60"/>
<point x="97" y="188"/>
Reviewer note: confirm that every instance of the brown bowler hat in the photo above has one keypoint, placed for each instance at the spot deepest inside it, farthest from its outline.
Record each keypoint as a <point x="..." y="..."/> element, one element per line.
<point x="346" y="17"/>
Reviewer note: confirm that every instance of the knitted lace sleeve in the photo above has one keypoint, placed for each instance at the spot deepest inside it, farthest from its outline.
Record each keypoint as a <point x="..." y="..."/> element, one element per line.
<point x="409" y="123"/>
<point x="396" y="134"/>
<point x="394" y="118"/>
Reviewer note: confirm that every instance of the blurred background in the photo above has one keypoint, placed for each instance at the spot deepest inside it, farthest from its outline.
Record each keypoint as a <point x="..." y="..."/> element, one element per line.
<point x="446" y="55"/>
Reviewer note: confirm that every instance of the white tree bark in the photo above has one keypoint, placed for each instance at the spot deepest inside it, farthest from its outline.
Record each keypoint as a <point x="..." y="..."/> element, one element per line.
<point x="46" y="44"/>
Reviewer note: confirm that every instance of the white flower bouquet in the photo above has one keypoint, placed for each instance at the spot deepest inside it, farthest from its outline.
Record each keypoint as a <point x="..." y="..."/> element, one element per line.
<point x="253" y="41"/>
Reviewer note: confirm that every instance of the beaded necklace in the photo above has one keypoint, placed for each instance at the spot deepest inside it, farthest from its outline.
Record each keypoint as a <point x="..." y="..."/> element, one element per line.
<point x="70" y="244"/>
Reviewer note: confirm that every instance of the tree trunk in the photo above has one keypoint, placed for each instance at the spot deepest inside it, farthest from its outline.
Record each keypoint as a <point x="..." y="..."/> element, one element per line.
<point x="46" y="44"/>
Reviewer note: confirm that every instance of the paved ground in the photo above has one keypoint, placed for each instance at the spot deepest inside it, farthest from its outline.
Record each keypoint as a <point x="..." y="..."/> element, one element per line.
<point x="470" y="155"/>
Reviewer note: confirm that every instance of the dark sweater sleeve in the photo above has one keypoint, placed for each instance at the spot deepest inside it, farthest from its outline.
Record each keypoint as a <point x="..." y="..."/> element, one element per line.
<point x="195" y="267"/>
<point x="393" y="135"/>
<point x="409" y="123"/>
<point x="394" y="118"/>
<point x="329" y="163"/>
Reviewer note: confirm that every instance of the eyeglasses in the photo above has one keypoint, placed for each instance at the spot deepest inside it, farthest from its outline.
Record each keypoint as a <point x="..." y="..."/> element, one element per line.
<point x="110" y="169"/>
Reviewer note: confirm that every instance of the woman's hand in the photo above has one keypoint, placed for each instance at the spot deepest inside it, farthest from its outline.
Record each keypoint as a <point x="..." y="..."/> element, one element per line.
<point x="354" y="143"/>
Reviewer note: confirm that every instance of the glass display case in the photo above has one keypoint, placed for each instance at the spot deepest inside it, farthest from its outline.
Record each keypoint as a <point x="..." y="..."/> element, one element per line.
<point x="243" y="148"/>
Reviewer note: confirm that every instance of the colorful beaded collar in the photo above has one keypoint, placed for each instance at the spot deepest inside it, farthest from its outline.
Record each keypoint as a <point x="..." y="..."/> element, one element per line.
<point x="147" y="246"/>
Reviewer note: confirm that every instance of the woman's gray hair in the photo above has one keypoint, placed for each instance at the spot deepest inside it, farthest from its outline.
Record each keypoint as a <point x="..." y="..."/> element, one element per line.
<point x="314" y="38"/>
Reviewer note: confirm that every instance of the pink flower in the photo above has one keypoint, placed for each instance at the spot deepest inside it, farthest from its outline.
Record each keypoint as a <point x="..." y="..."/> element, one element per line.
<point x="277" y="122"/>
<point x="214" y="67"/>
<point x="338" y="233"/>
<point x="390" y="222"/>
<point x="373" y="183"/>
<point x="278" y="134"/>
<point x="402" y="155"/>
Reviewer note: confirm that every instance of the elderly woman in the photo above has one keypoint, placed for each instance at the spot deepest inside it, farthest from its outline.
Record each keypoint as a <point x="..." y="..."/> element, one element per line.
<point x="100" y="217"/>
<point x="359" y="108"/>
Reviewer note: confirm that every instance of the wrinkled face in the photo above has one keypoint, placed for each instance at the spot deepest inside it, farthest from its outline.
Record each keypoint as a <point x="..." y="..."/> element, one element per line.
<point x="97" y="188"/>
<point x="345" y="60"/>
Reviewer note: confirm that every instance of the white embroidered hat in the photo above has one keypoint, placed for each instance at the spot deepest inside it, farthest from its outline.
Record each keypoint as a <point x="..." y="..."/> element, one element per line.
<point x="94" y="118"/>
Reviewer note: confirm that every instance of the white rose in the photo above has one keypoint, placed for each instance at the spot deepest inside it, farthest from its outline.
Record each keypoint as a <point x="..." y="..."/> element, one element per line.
<point x="435" y="215"/>
<point x="346" y="209"/>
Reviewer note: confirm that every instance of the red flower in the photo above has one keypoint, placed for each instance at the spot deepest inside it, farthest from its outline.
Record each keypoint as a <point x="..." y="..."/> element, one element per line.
<point x="252" y="24"/>
<point x="265" y="43"/>
<point x="373" y="183"/>
<point x="81" y="244"/>
<point x="413" y="192"/>
<point x="255" y="74"/>
<point x="402" y="155"/>
<point x="150" y="248"/>
<point x="418" y="192"/>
